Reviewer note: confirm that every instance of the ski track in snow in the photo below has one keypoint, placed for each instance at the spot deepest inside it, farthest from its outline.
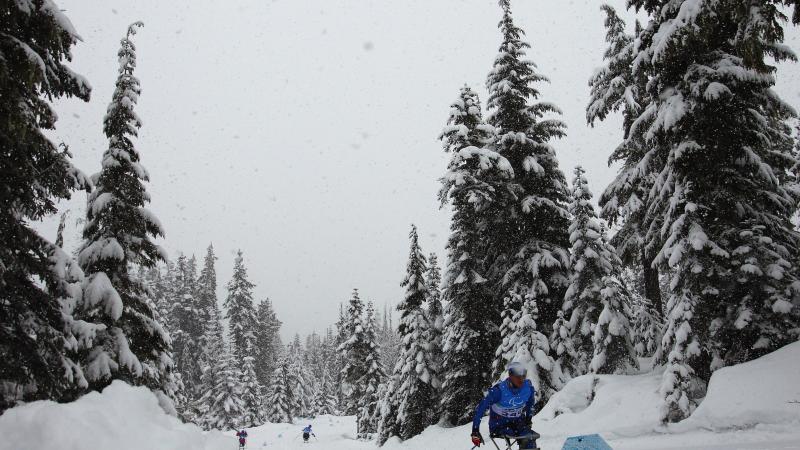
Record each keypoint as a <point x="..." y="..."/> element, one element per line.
<point x="333" y="433"/>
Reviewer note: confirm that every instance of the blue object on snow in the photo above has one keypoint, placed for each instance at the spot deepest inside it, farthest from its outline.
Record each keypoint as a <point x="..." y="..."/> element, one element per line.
<point x="588" y="442"/>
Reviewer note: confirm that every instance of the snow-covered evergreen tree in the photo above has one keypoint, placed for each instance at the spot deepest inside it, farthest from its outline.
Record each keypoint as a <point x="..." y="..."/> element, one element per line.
<point x="252" y="391"/>
<point x="157" y="282"/>
<point x="240" y="311"/>
<point x="353" y="352"/>
<point x="38" y="280"/>
<point x="647" y="323"/>
<point x="530" y="347"/>
<point x="647" y="326"/>
<point x="562" y="346"/>
<point x="119" y="233"/>
<point x="470" y="185"/>
<point x="163" y="295"/>
<point x="224" y="401"/>
<point x="435" y="316"/>
<point x="300" y="381"/>
<point x="267" y="341"/>
<point x="388" y="340"/>
<point x="339" y="359"/>
<point x="330" y="357"/>
<point x="386" y="413"/>
<point x="408" y="405"/>
<point x="366" y="424"/>
<point x="206" y="285"/>
<point x="313" y="357"/>
<point x="212" y="371"/>
<point x="529" y="234"/>
<point x="207" y="313"/>
<point x="326" y="401"/>
<point x="281" y="403"/>
<point x="242" y="325"/>
<point x="613" y="347"/>
<point x="720" y="206"/>
<point x="415" y="390"/>
<point x="624" y="202"/>
<point x="512" y="309"/>
<point x="187" y="329"/>
<point x="592" y="290"/>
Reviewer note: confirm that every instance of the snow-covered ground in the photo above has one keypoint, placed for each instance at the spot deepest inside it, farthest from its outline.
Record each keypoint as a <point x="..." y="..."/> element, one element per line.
<point x="750" y="406"/>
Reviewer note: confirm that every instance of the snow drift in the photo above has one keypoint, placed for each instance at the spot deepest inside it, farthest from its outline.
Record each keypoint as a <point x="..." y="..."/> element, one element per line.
<point x="122" y="417"/>
<point x="762" y="391"/>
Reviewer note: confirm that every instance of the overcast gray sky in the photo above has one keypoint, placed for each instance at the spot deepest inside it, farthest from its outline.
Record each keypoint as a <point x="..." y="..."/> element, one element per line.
<point x="305" y="132"/>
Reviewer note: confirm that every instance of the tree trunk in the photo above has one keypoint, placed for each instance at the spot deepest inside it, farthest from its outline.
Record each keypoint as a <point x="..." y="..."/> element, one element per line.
<point x="652" y="289"/>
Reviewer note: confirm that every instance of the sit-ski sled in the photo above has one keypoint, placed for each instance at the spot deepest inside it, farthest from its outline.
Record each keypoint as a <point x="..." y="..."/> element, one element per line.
<point x="511" y="441"/>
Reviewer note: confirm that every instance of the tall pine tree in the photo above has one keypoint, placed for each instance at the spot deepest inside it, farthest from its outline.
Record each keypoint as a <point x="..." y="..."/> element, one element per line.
<point x="470" y="186"/>
<point x="187" y="329"/>
<point x="224" y="400"/>
<point x="624" y="202"/>
<point x="371" y="380"/>
<point x="434" y="313"/>
<point x="118" y="234"/>
<point x="388" y="340"/>
<point x="280" y="405"/>
<point x="38" y="280"/>
<point x="206" y="288"/>
<point x="326" y="401"/>
<point x="720" y="206"/>
<point x="353" y="352"/>
<point x="267" y="341"/>
<point x="240" y="311"/>
<point x="339" y="359"/>
<point x="529" y="232"/>
<point x="593" y="292"/>
<point x="212" y="371"/>
<point x="414" y="389"/>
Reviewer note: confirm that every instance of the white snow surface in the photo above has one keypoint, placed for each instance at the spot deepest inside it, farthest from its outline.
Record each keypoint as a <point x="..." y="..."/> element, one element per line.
<point x="123" y="417"/>
<point x="750" y="406"/>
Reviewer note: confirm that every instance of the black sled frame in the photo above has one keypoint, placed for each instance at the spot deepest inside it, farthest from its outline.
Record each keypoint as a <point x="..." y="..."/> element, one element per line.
<point x="511" y="441"/>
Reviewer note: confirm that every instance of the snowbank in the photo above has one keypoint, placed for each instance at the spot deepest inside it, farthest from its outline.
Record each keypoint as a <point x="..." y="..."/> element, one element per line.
<point x="611" y="405"/>
<point x="760" y="392"/>
<point x="123" y="417"/>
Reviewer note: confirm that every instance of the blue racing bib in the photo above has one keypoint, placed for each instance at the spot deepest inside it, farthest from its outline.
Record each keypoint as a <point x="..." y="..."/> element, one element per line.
<point x="512" y="401"/>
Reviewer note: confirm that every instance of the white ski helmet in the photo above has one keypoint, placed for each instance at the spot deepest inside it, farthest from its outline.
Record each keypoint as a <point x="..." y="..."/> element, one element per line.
<point x="516" y="368"/>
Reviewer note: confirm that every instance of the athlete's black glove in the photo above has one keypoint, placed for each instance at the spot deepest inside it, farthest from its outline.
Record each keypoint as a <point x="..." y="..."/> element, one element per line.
<point x="477" y="439"/>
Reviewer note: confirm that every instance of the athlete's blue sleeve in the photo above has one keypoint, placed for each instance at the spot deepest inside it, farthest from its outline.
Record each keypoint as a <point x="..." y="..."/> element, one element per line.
<point x="531" y="402"/>
<point x="492" y="397"/>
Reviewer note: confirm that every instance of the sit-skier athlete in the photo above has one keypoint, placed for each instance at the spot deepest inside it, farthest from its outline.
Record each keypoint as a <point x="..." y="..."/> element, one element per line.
<point x="511" y="409"/>
<point x="242" y="435"/>
<point x="307" y="433"/>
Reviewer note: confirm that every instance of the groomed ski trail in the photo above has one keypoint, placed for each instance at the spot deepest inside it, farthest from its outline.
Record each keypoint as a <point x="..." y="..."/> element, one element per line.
<point x="333" y="433"/>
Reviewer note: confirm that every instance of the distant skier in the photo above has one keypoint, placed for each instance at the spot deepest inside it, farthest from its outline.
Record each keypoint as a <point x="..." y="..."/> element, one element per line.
<point x="307" y="433"/>
<point x="511" y="402"/>
<point x="242" y="435"/>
